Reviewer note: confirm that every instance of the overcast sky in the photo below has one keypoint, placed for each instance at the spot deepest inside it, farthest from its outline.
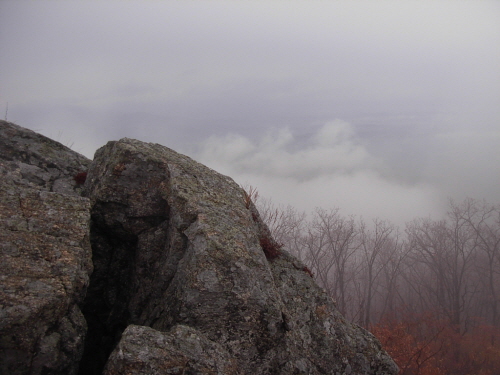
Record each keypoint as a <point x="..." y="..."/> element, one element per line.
<point x="381" y="108"/>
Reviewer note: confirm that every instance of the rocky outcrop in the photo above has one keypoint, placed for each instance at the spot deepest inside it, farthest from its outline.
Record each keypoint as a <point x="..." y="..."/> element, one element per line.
<point x="31" y="159"/>
<point x="180" y="249"/>
<point x="45" y="255"/>
<point x="187" y="278"/>
<point x="181" y="350"/>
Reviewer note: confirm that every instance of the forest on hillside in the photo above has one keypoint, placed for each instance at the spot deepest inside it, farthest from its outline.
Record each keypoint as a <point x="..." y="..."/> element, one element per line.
<point x="430" y="291"/>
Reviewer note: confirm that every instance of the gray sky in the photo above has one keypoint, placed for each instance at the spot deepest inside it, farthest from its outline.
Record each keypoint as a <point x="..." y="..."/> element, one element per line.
<point x="380" y="108"/>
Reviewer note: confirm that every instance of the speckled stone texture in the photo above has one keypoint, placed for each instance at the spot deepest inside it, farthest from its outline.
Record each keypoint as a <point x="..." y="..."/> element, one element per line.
<point x="186" y="279"/>
<point x="31" y="159"/>
<point x="177" y="245"/>
<point x="45" y="255"/>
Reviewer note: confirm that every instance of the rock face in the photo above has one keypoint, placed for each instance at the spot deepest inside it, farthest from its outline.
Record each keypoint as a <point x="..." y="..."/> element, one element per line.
<point x="45" y="255"/>
<point x="187" y="278"/>
<point x="30" y="159"/>
<point x="180" y="249"/>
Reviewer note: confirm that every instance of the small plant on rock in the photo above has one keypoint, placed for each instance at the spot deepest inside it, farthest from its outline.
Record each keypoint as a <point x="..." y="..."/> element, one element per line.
<point x="271" y="248"/>
<point x="308" y="271"/>
<point x="250" y="195"/>
<point x="80" y="178"/>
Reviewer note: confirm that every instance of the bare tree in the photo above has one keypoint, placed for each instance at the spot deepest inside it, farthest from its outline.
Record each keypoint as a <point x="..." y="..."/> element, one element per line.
<point x="484" y="221"/>
<point x="373" y="242"/>
<point x="285" y="223"/>
<point x="393" y="258"/>
<point x="331" y="243"/>
<point x="450" y="267"/>
<point x="446" y="249"/>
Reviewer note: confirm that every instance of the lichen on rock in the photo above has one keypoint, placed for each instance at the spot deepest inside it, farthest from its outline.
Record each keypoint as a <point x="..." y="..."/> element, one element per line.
<point x="45" y="261"/>
<point x="187" y="278"/>
<point x="181" y="246"/>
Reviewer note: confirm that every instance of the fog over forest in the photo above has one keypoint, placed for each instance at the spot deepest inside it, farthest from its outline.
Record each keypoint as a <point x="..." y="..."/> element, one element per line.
<point x="429" y="291"/>
<point x="369" y="129"/>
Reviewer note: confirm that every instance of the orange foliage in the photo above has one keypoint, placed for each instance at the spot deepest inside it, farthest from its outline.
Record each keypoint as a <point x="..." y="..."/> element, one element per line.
<point x="477" y="352"/>
<point x="413" y="351"/>
<point x="424" y="345"/>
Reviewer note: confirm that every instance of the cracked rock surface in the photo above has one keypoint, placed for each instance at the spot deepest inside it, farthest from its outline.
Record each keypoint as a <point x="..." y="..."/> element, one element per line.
<point x="31" y="159"/>
<point x="177" y="249"/>
<point x="186" y="277"/>
<point x="45" y="256"/>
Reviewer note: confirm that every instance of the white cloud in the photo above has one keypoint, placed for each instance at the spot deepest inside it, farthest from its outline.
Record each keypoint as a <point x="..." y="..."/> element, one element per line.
<point x="332" y="149"/>
<point x="179" y="73"/>
<point x="466" y="163"/>
<point x="334" y="133"/>
<point x="330" y="169"/>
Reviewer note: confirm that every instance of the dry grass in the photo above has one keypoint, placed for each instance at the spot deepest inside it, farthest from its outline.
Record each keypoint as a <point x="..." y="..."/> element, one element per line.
<point x="250" y="195"/>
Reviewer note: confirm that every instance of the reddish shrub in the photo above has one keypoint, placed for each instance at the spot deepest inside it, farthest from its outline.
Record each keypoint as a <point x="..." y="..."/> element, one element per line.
<point x="80" y="178"/>
<point x="423" y="344"/>
<point x="270" y="247"/>
<point x="250" y="196"/>
<point x="308" y="271"/>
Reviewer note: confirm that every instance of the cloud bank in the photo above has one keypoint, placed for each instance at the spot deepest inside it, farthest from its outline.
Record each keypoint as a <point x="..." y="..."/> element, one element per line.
<point x="254" y="88"/>
<point x="331" y="168"/>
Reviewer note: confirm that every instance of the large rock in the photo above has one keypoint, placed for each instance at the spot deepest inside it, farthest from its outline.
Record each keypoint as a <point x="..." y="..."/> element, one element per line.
<point x="187" y="278"/>
<point x="181" y="350"/>
<point x="45" y="254"/>
<point x="181" y="249"/>
<point x="31" y="159"/>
